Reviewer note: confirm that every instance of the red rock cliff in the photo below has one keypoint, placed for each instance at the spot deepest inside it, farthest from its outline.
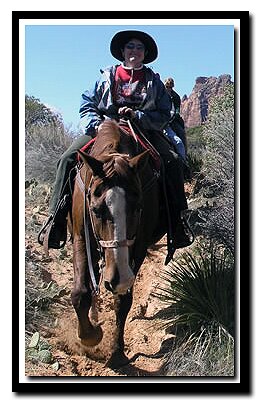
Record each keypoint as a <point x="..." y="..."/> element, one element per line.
<point x="194" y="108"/>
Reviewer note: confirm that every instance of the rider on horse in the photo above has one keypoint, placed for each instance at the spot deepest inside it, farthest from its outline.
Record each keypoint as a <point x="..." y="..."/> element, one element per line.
<point x="129" y="90"/>
<point x="175" y="131"/>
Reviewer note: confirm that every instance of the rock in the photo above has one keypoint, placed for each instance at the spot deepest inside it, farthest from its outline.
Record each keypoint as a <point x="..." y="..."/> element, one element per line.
<point x="45" y="356"/>
<point x="56" y="366"/>
<point x="194" y="109"/>
<point x="34" y="340"/>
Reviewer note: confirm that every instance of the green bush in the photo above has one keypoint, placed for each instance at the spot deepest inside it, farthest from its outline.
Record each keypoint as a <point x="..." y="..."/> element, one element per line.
<point x="195" y="146"/>
<point x="194" y="162"/>
<point x="198" y="292"/>
<point x="200" y="289"/>
<point x="194" y="137"/>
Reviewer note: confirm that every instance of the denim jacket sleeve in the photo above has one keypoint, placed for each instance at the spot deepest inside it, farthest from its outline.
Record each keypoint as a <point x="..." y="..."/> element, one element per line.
<point x="97" y="102"/>
<point x="90" y="116"/>
<point x="154" y="114"/>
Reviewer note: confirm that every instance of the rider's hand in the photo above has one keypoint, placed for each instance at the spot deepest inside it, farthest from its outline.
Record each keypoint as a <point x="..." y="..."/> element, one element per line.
<point x="126" y="112"/>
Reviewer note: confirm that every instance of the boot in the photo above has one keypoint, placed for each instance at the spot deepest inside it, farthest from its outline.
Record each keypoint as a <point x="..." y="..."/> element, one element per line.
<point x="182" y="236"/>
<point x="54" y="231"/>
<point x="57" y="234"/>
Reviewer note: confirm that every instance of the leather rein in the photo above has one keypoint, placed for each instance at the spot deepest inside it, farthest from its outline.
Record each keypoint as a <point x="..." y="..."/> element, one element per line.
<point x="102" y="244"/>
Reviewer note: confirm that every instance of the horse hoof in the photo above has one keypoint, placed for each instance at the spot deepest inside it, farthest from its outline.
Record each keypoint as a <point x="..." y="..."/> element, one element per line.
<point x="118" y="359"/>
<point x="94" y="337"/>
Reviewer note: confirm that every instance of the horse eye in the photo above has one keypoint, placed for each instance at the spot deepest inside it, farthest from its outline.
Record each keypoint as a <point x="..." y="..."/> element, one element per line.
<point x="96" y="211"/>
<point x="98" y="191"/>
<point x="101" y="212"/>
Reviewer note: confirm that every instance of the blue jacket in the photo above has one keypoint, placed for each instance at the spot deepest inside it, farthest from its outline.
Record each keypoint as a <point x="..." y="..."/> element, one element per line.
<point x="153" y="114"/>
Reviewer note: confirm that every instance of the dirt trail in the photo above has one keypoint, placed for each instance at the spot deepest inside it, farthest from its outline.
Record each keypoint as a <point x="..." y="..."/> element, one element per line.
<point x="146" y="342"/>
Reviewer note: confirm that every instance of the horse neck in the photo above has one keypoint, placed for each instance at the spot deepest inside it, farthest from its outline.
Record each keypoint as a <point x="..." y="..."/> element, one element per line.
<point x="107" y="141"/>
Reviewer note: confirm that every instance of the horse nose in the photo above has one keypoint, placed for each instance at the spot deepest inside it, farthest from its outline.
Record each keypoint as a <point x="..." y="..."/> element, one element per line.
<point x="111" y="283"/>
<point x="117" y="279"/>
<point x="108" y="286"/>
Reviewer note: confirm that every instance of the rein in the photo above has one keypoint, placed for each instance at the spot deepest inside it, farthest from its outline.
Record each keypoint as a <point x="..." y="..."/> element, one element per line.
<point x="106" y="244"/>
<point x="110" y="244"/>
<point x="95" y="286"/>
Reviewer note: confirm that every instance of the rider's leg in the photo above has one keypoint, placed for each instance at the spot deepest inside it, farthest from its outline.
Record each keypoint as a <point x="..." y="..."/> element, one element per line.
<point x="176" y="140"/>
<point x="180" y="144"/>
<point x="179" y="128"/>
<point x="58" y="230"/>
<point x="64" y="165"/>
<point x="174" y="181"/>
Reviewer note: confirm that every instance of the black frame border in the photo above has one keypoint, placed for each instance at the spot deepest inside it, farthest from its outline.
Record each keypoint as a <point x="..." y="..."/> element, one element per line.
<point x="149" y="387"/>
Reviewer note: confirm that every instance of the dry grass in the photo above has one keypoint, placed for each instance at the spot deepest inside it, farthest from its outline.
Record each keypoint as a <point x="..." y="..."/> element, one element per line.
<point x="211" y="355"/>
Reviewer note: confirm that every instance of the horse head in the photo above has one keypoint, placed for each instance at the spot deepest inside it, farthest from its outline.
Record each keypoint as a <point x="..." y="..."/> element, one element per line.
<point x="115" y="202"/>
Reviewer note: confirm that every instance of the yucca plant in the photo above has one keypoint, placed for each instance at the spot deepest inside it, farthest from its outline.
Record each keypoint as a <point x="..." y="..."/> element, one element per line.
<point x="199" y="292"/>
<point x="199" y="288"/>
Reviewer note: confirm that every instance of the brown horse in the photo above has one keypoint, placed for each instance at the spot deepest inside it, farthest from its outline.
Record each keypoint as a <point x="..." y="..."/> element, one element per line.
<point x="116" y="216"/>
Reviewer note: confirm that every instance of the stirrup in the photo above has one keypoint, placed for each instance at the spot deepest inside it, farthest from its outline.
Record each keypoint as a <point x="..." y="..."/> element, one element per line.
<point x="172" y="247"/>
<point x="44" y="229"/>
<point x="44" y="237"/>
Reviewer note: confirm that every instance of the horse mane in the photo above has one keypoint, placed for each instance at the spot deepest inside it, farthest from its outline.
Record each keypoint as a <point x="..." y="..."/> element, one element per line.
<point x="107" y="140"/>
<point x="117" y="165"/>
<point x="106" y="149"/>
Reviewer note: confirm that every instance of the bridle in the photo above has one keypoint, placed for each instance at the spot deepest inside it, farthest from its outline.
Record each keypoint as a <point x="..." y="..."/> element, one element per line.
<point x="107" y="244"/>
<point x="114" y="244"/>
<point x="102" y="244"/>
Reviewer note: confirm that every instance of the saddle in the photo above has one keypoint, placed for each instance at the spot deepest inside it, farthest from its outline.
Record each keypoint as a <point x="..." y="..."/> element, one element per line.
<point x="126" y="127"/>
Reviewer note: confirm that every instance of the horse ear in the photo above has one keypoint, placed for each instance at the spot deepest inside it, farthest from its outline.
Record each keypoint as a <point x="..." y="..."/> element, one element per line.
<point x="94" y="165"/>
<point x="140" y="161"/>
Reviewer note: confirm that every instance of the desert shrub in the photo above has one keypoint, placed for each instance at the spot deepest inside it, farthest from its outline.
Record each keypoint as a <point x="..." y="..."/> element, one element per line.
<point x="38" y="115"/>
<point x="198" y="293"/>
<point x="194" y="138"/>
<point x="195" y="145"/>
<point x="194" y="162"/>
<point x="216" y="178"/>
<point x="200" y="288"/>
<point x="218" y="134"/>
<point x="46" y="139"/>
<point x="45" y="147"/>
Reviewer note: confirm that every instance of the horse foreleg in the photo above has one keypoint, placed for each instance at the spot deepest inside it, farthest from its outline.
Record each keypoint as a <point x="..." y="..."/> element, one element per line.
<point x="81" y="297"/>
<point x="118" y="358"/>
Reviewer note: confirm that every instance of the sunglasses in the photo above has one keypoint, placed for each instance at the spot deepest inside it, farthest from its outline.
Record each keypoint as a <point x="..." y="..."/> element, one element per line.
<point x="131" y="45"/>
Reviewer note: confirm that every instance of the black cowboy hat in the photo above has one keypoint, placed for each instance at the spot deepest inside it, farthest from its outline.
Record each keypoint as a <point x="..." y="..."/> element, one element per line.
<point x="121" y="38"/>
